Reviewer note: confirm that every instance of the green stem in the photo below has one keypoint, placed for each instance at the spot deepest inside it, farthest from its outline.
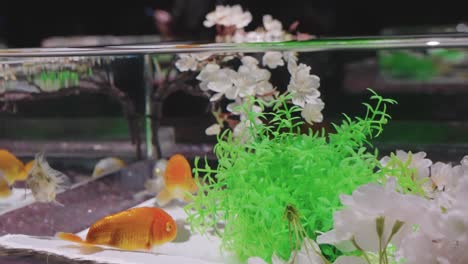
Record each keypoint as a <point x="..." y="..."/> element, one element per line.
<point x="366" y="257"/>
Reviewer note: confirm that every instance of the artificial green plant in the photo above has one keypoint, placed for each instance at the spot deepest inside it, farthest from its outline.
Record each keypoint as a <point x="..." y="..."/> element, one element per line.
<point x="274" y="166"/>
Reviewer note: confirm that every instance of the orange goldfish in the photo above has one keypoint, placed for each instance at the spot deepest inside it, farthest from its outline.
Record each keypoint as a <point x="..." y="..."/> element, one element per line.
<point x="5" y="188"/>
<point x="11" y="167"/>
<point x="133" y="229"/>
<point x="178" y="180"/>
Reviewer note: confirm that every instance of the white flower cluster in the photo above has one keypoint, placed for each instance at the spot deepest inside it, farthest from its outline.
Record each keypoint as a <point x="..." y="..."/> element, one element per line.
<point x="422" y="229"/>
<point x="426" y="229"/>
<point x="228" y="16"/>
<point x="304" y="89"/>
<point x="233" y="16"/>
<point x="191" y="61"/>
<point x="272" y="31"/>
<point x="250" y="79"/>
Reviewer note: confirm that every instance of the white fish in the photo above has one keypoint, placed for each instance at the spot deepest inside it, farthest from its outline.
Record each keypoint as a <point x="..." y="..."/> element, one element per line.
<point x="156" y="183"/>
<point x="107" y="165"/>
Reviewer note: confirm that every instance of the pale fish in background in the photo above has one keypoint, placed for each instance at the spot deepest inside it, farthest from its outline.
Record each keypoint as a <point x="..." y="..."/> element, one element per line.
<point x="44" y="181"/>
<point x="178" y="181"/>
<point x="156" y="183"/>
<point x="107" y="165"/>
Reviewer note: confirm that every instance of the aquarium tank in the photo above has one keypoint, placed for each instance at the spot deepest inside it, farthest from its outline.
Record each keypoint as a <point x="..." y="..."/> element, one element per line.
<point x="264" y="146"/>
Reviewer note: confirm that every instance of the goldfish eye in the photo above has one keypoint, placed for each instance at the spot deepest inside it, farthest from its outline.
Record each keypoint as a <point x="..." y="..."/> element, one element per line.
<point x="168" y="227"/>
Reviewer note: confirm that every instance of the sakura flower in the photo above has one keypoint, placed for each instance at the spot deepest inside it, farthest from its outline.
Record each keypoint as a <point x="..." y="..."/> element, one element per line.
<point x="274" y="29"/>
<point x="249" y="61"/>
<point x="272" y="59"/>
<point x="186" y="62"/>
<point x="271" y="24"/>
<point x="250" y="77"/>
<point x="218" y="80"/>
<point x="312" y="111"/>
<point x="290" y="57"/>
<point x="228" y="16"/>
<point x="266" y="91"/>
<point x="417" y="248"/>
<point x="374" y="215"/>
<point x="303" y="85"/>
<point x="223" y="87"/>
<point x="442" y="175"/>
<point x="189" y="62"/>
<point x="214" y="129"/>
<point x="208" y="74"/>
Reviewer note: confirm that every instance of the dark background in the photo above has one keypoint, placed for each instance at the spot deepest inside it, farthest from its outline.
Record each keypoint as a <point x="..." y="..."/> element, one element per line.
<point x="26" y="23"/>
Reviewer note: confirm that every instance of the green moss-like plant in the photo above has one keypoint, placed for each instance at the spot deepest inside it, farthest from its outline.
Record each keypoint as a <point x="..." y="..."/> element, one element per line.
<point x="272" y="167"/>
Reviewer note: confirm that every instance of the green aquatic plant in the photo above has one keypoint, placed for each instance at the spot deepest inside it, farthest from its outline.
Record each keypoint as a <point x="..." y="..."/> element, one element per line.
<point x="273" y="169"/>
<point x="59" y="78"/>
<point x="406" y="176"/>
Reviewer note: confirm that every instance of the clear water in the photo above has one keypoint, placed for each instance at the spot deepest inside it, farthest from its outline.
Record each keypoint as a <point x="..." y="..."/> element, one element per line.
<point x="115" y="114"/>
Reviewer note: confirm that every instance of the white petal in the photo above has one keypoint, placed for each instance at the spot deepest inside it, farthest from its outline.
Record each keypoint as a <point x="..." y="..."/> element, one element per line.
<point x="272" y="59"/>
<point x="213" y="130"/>
<point x="349" y="260"/>
<point x="219" y="87"/>
<point x="249" y="61"/>
<point x="256" y="260"/>
<point x="216" y="97"/>
<point x="232" y="92"/>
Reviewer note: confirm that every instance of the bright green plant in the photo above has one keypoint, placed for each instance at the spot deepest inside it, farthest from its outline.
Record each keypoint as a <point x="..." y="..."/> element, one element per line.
<point x="279" y="168"/>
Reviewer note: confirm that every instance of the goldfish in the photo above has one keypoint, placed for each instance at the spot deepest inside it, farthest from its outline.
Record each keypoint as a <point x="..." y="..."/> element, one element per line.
<point x="178" y="181"/>
<point x="107" y="165"/>
<point x="5" y="188"/>
<point x="134" y="229"/>
<point x="43" y="180"/>
<point x="11" y="167"/>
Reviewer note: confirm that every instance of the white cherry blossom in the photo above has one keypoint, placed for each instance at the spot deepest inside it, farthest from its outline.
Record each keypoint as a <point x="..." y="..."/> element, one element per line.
<point x="363" y="209"/>
<point x="186" y="62"/>
<point x="207" y="74"/>
<point x="190" y="61"/>
<point x="272" y="24"/>
<point x="273" y="59"/>
<point x="303" y="86"/>
<point x="218" y="80"/>
<point x="274" y="29"/>
<point x="250" y="77"/>
<point x="442" y="175"/>
<point x="228" y="16"/>
<point x="312" y="111"/>
<point x="212" y="130"/>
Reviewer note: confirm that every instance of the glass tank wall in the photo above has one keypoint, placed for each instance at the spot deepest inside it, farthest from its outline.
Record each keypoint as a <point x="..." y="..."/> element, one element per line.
<point x="107" y="119"/>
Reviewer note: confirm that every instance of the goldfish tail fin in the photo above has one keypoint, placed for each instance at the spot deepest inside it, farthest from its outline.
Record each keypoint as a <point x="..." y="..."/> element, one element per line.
<point x="164" y="197"/>
<point x="70" y="237"/>
<point x="5" y="192"/>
